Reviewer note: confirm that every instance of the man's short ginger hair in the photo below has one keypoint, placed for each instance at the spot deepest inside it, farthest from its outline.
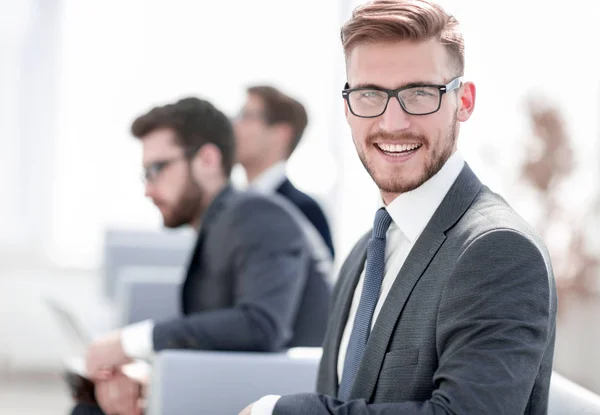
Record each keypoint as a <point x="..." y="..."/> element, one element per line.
<point x="404" y="20"/>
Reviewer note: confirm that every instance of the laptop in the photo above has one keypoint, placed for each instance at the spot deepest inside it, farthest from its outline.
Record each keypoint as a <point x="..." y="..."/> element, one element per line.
<point x="80" y="340"/>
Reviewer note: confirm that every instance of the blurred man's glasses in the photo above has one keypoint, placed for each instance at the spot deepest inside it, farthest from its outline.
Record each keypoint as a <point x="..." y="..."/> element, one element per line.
<point x="419" y="99"/>
<point x="153" y="170"/>
<point x="246" y="115"/>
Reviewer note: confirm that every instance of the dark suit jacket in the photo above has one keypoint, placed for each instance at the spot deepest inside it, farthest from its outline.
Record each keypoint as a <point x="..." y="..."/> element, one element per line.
<point x="252" y="283"/>
<point x="310" y="208"/>
<point x="467" y="328"/>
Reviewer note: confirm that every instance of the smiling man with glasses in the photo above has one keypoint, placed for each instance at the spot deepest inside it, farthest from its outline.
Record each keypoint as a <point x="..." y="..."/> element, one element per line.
<point x="448" y="305"/>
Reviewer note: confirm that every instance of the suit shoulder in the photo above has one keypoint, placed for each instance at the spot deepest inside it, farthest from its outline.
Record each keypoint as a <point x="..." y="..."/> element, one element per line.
<point x="303" y="200"/>
<point x="489" y="211"/>
<point x="490" y="217"/>
<point x="251" y="210"/>
<point x="250" y="199"/>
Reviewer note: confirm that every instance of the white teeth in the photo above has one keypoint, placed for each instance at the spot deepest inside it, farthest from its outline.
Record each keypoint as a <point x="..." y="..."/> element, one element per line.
<point x="397" y="148"/>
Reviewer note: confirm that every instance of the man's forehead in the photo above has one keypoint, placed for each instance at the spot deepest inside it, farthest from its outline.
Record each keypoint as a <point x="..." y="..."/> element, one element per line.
<point x="395" y="64"/>
<point x="254" y="101"/>
<point x="159" y="144"/>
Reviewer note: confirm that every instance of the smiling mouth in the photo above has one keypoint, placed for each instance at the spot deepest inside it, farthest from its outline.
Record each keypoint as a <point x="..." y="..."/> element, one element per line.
<point x="398" y="149"/>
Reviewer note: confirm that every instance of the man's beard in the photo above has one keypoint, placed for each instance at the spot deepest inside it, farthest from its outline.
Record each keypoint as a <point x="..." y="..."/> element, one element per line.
<point x="187" y="209"/>
<point x="435" y="160"/>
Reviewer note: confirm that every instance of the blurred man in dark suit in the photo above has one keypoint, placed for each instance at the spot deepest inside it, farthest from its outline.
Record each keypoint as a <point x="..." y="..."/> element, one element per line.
<point x="268" y="129"/>
<point x="253" y="282"/>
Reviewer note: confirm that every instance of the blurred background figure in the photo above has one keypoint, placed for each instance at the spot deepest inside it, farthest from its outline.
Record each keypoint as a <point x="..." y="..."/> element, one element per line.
<point x="69" y="172"/>
<point x="251" y="285"/>
<point x="268" y="129"/>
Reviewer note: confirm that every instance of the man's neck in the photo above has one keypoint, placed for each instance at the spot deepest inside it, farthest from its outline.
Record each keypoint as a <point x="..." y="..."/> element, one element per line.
<point x="254" y="171"/>
<point x="210" y="192"/>
<point x="388" y="197"/>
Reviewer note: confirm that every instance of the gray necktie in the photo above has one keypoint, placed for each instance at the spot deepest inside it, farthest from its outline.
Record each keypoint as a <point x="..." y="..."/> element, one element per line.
<point x="368" y="300"/>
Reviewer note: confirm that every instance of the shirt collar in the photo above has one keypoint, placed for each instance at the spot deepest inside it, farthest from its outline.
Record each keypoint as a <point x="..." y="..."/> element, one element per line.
<point x="412" y="211"/>
<point x="269" y="180"/>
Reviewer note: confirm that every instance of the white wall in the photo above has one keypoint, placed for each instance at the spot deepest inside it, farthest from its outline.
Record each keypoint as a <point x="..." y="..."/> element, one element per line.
<point x="28" y="54"/>
<point x="154" y="53"/>
<point x="116" y="65"/>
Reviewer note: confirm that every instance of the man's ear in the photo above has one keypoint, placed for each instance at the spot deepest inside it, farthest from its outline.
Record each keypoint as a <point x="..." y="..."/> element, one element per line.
<point x="284" y="132"/>
<point x="466" y="101"/>
<point x="209" y="155"/>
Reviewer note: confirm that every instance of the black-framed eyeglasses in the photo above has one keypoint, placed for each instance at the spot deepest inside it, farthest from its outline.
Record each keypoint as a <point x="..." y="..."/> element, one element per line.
<point x="153" y="170"/>
<point x="415" y="99"/>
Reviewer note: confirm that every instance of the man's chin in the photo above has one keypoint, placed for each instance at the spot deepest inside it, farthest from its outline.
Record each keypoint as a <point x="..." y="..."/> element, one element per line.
<point x="399" y="186"/>
<point x="171" y="223"/>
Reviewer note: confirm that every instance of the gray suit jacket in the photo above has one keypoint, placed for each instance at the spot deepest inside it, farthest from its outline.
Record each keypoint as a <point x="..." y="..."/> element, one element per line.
<point x="467" y="328"/>
<point x="252" y="284"/>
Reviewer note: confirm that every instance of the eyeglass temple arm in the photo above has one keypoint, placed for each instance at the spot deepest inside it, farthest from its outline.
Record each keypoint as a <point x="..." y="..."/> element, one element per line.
<point x="455" y="83"/>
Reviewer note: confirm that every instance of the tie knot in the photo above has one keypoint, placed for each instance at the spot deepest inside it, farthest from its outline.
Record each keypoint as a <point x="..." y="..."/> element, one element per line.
<point x="381" y="224"/>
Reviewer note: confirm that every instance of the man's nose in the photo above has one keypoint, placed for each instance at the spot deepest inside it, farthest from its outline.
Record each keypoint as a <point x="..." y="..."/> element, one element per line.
<point x="394" y="118"/>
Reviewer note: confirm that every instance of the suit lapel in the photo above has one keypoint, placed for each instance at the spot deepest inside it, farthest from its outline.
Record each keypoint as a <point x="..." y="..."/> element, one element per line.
<point x="210" y="216"/>
<point x="285" y="188"/>
<point x="192" y="270"/>
<point x="421" y="254"/>
<point x="348" y="278"/>
<point x="457" y="200"/>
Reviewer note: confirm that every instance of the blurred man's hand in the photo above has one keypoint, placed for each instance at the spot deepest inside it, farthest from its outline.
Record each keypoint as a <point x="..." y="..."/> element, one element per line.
<point x="119" y="395"/>
<point x="104" y="355"/>
<point x="247" y="410"/>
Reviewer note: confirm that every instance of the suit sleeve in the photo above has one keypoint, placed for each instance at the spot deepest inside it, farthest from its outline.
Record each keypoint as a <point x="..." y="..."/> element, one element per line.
<point x="270" y="261"/>
<point x="315" y="215"/>
<point x="495" y="321"/>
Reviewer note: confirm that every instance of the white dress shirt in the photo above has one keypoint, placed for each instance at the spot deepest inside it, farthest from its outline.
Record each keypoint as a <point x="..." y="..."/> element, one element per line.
<point x="410" y="212"/>
<point x="137" y="341"/>
<point x="269" y="180"/>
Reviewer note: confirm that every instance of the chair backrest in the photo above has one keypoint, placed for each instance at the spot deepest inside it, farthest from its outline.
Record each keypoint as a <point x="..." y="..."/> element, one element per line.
<point x="192" y="382"/>
<point x="151" y="248"/>
<point x="148" y="292"/>
<point x="568" y="398"/>
<point x="224" y="383"/>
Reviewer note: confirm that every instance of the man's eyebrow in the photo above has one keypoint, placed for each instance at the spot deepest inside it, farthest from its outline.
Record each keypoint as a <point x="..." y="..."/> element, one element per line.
<point x="407" y="85"/>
